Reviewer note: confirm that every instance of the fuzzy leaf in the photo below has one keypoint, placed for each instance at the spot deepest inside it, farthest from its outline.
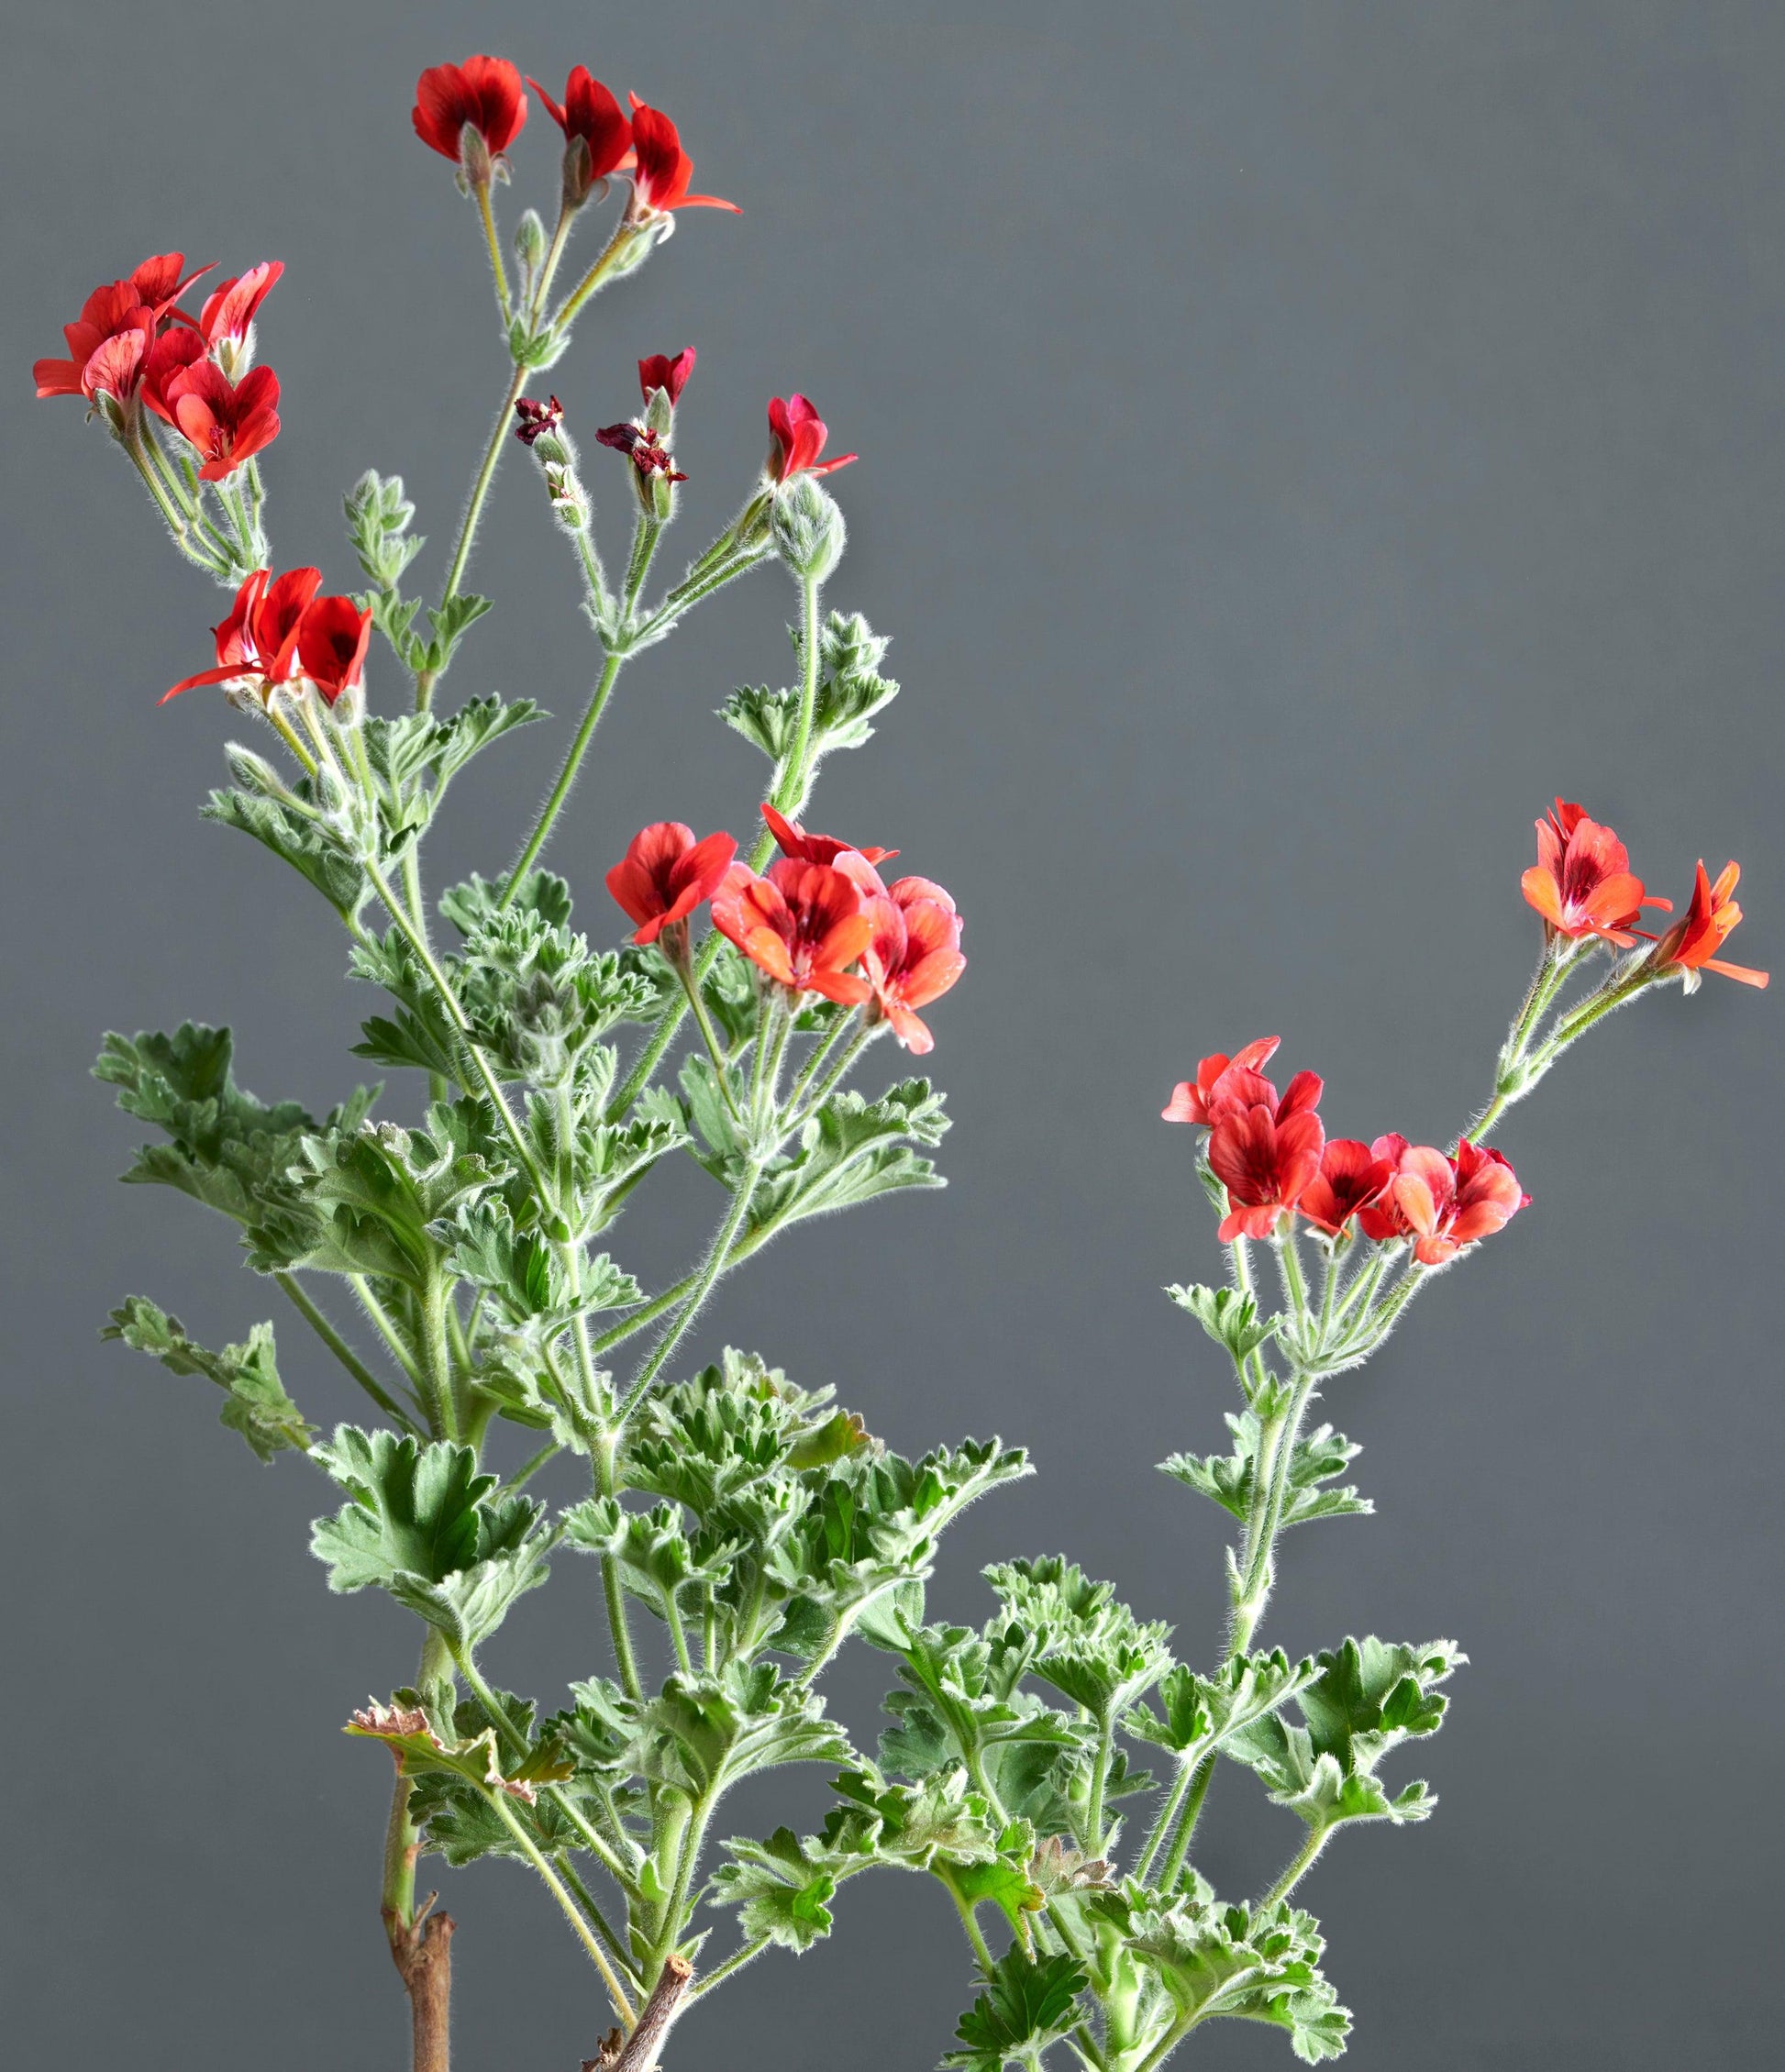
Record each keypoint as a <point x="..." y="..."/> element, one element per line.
<point x="256" y="1403"/>
<point x="1028" y="2002"/>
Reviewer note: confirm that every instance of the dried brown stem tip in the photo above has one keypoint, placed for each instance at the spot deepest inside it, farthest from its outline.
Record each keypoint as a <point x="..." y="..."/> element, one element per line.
<point x="637" y="2052"/>
<point x="422" y="1952"/>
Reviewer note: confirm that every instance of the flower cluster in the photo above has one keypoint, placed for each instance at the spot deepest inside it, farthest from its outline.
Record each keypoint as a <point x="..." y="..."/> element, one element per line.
<point x="1273" y="1156"/>
<point x="133" y="343"/>
<point x="820" y="920"/>
<point x="280" y="633"/>
<point x="471" y="113"/>
<point x="1583" y="886"/>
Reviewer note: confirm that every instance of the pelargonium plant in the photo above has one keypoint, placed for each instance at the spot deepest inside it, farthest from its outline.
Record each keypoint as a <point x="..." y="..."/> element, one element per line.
<point x="739" y="1529"/>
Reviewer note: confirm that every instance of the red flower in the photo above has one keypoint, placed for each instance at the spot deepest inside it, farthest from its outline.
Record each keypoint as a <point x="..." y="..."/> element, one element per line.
<point x="133" y="307"/>
<point x="226" y="421"/>
<point x="537" y="418"/>
<point x="796" y="438"/>
<point x="659" y="371"/>
<point x="258" y="641"/>
<point x="1190" y="1099"/>
<point x="332" y="638"/>
<point x="231" y="308"/>
<point x="1381" y="1219"/>
<point x="177" y="349"/>
<point x="1581" y="882"/>
<point x="1264" y="1151"/>
<point x="666" y="873"/>
<point x="1450" y="1202"/>
<point x="805" y="925"/>
<point x="483" y="92"/>
<point x="1350" y="1177"/>
<point x="913" y="957"/>
<point x="1709" y="918"/>
<point x="793" y="840"/>
<point x="597" y="137"/>
<point x="642" y="448"/>
<point x="664" y="169"/>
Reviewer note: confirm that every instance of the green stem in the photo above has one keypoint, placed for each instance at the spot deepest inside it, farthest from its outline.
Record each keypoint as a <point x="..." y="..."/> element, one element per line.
<point x="437" y="1360"/>
<point x="714" y="1266"/>
<point x="401" y="1839"/>
<point x="1099" y="1781"/>
<point x="623" y="233"/>
<point x="734" y="1962"/>
<point x="532" y="1465"/>
<point x="1162" y="1825"/>
<point x="379" y="1317"/>
<point x="456" y="1013"/>
<point x="1298" y="1867"/>
<point x="573" y="1913"/>
<point x="554" y="252"/>
<point x="794" y="785"/>
<point x="1180" y="1849"/>
<point x="614" y="1590"/>
<point x="343" y="1352"/>
<point x="560" y="791"/>
<point x="677" y="1633"/>
<point x="426" y="681"/>
<point x="498" y="268"/>
<point x="970" y="1925"/>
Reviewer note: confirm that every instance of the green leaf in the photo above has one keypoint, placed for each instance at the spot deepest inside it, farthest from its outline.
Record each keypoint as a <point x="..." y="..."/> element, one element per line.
<point x="1368" y="1697"/>
<point x="1255" y="1963"/>
<point x="313" y="848"/>
<point x="782" y="1887"/>
<point x="256" y="1403"/>
<point x="426" y="1525"/>
<point x="852" y="1150"/>
<point x="1319" y="1456"/>
<point x="1197" y="1714"/>
<point x="378" y="518"/>
<point x="1230" y="1318"/>
<point x="1028" y="2003"/>
<point x="475" y="906"/>
<point x="1093" y="1648"/>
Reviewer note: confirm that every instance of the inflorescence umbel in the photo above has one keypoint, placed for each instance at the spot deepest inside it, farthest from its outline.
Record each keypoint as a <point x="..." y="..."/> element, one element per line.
<point x="741" y="1529"/>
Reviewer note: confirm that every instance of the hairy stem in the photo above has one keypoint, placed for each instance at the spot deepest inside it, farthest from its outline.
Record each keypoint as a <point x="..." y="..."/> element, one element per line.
<point x="566" y="775"/>
<point x="343" y="1352"/>
<point x="426" y="681"/>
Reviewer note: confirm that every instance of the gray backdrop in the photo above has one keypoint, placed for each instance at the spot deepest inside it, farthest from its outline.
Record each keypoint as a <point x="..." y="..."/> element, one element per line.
<point x="1298" y="441"/>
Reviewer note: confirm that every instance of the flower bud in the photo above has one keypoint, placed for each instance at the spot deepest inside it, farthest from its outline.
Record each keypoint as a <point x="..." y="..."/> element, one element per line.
<point x="475" y="164"/>
<point x="254" y="773"/>
<point x="809" y="531"/>
<point x="577" y="183"/>
<point x="529" y="249"/>
<point x="660" y="416"/>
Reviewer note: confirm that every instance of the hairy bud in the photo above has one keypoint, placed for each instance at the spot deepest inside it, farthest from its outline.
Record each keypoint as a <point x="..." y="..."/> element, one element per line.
<point x="808" y="526"/>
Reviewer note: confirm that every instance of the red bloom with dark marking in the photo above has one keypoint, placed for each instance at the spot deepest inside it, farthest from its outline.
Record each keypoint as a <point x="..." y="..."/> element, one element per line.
<point x="258" y="642"/>
<point x="665" y="874"/>
<point x="1449" y="1202"/>
<point x="332" y="638"/>
<point x="125" y="314"/>
<point x="796" y="438"/>
<point x="1690" y="947"/>
<point x="178" y="348"/>
<point x="1381" y="1219"/>
<point x="227" y="422"/>
<point x="232" y="306"/>
<point x="659" y="371"/>
<point x="793" y="840"/>
<point x="913" y="957"/>
<point x="1351" y="1177"/>
<point x="805" y="925"/>
<point x="660" y="182"/>
<point x="1190" y="1099"/>
<point x="1581" y="882"/>
<point x="597" y="137"/>
<point x="1264" y="1151"/>
<point x="483" y="92"/>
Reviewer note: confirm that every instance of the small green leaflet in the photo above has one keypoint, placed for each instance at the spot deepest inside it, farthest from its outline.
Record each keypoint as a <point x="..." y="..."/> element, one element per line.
<point x="256" y="1403"/>
<point x="1028" y="2002"/>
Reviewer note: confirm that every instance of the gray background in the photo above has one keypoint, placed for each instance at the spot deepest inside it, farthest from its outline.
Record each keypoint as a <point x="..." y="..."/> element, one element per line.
<point x="1298" y="441"/>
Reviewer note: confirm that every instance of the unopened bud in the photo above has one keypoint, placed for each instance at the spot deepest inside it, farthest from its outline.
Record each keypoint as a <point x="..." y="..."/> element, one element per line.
<point x="577" y="184"/>
<point x="475" y="164"/>
<point x="659" y="414"/>
<point x="809" y="531"/>
<point x="529" y="248"/>
<point x="254" y="773"/>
